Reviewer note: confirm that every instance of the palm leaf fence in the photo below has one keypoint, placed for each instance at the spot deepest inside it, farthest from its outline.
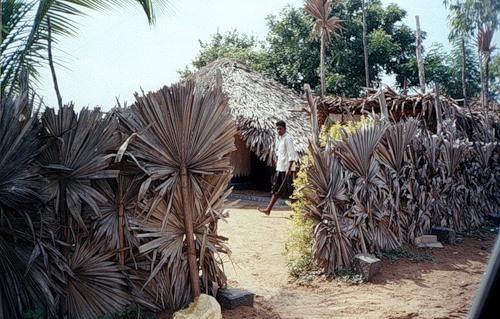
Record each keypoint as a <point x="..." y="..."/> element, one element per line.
<point x="102" y="210"/>
<point x="384" y="184"/>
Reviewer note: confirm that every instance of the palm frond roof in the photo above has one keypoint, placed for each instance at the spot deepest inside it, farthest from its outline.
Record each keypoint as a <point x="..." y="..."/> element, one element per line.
<point x="256" y="104"/>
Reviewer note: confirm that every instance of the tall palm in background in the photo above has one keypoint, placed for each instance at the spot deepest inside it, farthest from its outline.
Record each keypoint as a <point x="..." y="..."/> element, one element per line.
<point x="325" y="25"/>
<point x="25" y="31"/>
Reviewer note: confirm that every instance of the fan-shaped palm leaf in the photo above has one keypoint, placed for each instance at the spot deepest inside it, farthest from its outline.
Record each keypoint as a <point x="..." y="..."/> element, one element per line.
<point x="117" y="211"/>
<point x="97" y="285"/>
<point x="395" y="142"/>
<point x="321" y="11"/>
<point x="80" y="151"/>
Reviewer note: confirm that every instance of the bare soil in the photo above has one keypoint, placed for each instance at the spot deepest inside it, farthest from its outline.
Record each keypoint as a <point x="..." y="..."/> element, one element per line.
<point x="442" y="287"/>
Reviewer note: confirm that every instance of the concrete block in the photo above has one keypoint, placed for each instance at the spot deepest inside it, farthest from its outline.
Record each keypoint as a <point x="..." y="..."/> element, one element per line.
<point x="431" y="245"/>
<point x="426" y="239"/>
<point x="231" y="298"/>
<point x="367" y="265"/>
<point x="444" y="234"/>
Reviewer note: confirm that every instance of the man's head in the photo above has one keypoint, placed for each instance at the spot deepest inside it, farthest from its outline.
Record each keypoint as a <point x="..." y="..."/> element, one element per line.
<point x="281" y="127"/>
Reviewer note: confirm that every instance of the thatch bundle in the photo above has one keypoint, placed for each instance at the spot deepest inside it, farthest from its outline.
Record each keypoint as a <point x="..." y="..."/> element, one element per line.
<point x="256" y="103"/>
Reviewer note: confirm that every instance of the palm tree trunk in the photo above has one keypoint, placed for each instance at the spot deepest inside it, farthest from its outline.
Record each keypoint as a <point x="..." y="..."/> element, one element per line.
<point x="51" y="64"/>
<point x="464" y="83"/>
<point x="188" y="225"/>
<point x="322" y="62"/>
<point x="365" y="47"/>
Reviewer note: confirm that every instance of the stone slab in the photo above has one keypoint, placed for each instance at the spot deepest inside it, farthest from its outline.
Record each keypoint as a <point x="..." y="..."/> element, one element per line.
<point x="431" y="245"/>
<point x="231" y="298"/>
<point x="425" y="239"/>
<point x="444" y="234"/>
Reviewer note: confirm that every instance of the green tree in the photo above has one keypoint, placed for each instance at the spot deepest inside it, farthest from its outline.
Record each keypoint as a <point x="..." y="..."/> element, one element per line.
<point x="228" y="45"/>
<point x="291" y="57"/>
<point x="478" y="20"/>
<point x="495" y="77"/>
<point x="25" y="31"/>
<point x="293" y="61"/>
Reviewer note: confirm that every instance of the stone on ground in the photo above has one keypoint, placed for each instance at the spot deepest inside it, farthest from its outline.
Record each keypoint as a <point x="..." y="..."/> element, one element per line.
<point x="367" y="265"/>
<point x="231" y="298"/>
<point x="444" y="235"/>
<point x="203" y="307"/>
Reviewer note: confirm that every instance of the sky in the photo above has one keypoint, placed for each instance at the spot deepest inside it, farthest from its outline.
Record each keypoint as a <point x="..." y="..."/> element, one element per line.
<point x="117" y="53"/>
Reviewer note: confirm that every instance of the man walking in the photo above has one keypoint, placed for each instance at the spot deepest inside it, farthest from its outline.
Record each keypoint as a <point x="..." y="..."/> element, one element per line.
<point x="285" y="166"/>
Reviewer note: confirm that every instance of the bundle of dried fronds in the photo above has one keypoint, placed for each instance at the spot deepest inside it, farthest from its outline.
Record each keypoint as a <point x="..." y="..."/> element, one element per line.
<point x="397" y="181"/>
<point x="181" y="138"/>
<point x="23" y="275"/>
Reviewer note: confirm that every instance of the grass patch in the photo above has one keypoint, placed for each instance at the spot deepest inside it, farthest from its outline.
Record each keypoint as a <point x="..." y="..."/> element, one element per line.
<point x="403" y="253"/>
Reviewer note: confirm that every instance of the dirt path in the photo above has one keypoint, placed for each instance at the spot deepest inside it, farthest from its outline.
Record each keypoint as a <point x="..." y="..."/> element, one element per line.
<point x="443" y="287"/>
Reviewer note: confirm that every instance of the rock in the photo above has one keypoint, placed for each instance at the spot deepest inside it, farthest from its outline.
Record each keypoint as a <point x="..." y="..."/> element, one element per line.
<point x="494" y="218"/>
<point x="203" y="307"/>
<point x="431" y="245"/>
<point x="426" y="239"/>
<point x="231" y="298"/>
<point x="367" y="265"/>
<point x="444" y="234"/>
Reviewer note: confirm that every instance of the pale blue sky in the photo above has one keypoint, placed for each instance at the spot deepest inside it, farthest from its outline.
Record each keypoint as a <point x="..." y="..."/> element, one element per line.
<point x="117" y="53"/>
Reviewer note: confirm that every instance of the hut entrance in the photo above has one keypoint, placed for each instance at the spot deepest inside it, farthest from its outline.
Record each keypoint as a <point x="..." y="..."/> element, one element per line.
<point x="249" y="171"/>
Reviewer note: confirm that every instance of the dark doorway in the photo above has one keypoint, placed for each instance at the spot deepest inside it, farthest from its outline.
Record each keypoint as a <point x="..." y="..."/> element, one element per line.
<point x="261" y="174"/>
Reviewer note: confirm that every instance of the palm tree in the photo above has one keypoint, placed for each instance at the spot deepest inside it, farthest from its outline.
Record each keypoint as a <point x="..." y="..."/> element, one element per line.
<point x="324" y="25"/>
<point x="25" y="27"/>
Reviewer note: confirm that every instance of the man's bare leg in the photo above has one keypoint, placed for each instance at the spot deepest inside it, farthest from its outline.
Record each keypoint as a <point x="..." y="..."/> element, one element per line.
<point x="270" y="206"/>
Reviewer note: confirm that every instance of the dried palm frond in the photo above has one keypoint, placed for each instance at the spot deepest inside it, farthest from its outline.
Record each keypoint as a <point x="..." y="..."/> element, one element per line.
<point x="24" y="282"/>
<point x="395" y="143"/>
<point x="326" y="192"/>
<point x="355" y="150"/>
<point x="79" y="151"/>
<point x="96" y="285"/>
<point x="116" y="212"/>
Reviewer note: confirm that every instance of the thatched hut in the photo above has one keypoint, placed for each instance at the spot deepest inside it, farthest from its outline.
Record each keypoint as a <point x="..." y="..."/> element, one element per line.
<point x="256" y="103"/>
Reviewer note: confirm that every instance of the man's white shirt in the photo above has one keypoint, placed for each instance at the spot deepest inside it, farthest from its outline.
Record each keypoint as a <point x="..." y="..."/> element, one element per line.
<point x="285" y="153"/>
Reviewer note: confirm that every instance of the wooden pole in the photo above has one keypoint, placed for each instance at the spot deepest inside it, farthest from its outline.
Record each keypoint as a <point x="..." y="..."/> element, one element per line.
<point x="437" y="105"/>
<point x="189" y="229"/>
<point x="383" y="105"/>
<point x="314" y="114"/>
<point x="420" y="61"/>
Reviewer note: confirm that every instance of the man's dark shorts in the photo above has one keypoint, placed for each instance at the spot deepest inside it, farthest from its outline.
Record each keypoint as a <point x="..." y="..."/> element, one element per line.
<point x="282" y="185"/>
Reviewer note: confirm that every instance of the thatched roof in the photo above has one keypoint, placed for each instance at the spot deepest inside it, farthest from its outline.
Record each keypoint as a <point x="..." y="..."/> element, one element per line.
<point x="256" y="103"/>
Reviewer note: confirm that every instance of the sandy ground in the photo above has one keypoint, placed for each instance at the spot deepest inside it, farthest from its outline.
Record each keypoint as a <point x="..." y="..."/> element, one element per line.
<point x="443" y="287"/>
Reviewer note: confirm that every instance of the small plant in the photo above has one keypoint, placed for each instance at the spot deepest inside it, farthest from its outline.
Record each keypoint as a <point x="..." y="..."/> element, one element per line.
<point x="350" y="275"/>
<point x="480" y="232"/>
<point x="34" y="314"/>
<point x="394" y="255"/>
